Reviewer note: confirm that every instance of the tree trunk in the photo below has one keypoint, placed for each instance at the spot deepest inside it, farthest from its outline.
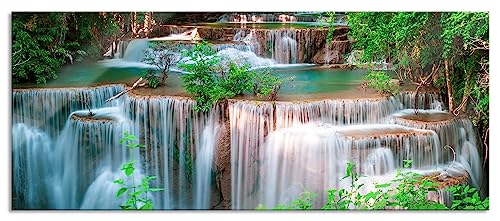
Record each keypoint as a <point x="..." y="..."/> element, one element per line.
<point x="137" y="83"/>
<point x="467" y="90"/>
<point x="448" y="86"/>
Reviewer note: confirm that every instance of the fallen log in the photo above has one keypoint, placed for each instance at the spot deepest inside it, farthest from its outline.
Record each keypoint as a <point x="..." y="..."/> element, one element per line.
<point x="135" y="85"/>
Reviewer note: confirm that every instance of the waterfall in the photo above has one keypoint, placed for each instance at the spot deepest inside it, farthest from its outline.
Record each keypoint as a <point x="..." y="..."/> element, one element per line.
<point x="457" y="133"/>
<point x="379" y="161"/>
<point x="32" y="163"/>
<point x="239" y="47"/>
<point x="63" y="158"/>
<point x="427" y="100"/>
<point x="220" y="46"/>
<point x="68" y="166"/>
<point x="283" y="45"/>
<point x="78" y="167"/>
<point x="130" y="54"/>
<point x="282" y="149"/>
<point x="327" y="52"/>
<point x="335" y="111"/>
<point x="245" y="57"/>
<point x="120" y="49"/>
<point x="135" y="50"/>
<point x="267" y="17"/>
<point x="189" y="35"/>
<point x="240" y="35"/>
<point x="204" y="160"/>
<point x="172" y="132"/>
<point x="48" y="109"/>
<point x="313" y="157"/>
<point x="94" y="145"/>
<point x="250" y="123"/>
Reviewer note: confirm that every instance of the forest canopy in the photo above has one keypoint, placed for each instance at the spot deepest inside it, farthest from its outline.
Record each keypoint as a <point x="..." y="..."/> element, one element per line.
<point x="447" y="50"/>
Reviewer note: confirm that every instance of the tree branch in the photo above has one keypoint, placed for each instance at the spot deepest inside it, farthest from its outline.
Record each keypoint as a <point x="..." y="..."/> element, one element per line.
<point x="136" y="84"/>
<point x="20" y="63"/>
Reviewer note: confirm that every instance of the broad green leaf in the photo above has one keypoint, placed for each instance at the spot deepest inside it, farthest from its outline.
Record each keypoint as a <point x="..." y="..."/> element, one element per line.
<point x="156" y="189"/>
<point x="381" y="186"/>
<point x="119" y="181"/>
<point x="129" y="170"/>
<point x="121" y="191"/>
<point x="147" y="206"/>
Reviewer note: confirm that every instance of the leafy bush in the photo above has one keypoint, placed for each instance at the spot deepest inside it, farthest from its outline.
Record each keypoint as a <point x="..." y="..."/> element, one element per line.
<point x="151" y="78"/>
<point x="163" y="55"/>
<point x="44" y="41"/>
<point x="267" y="85"/>
<point x="210" y="80"/>
<point x="137" y="194"/>
<point x="408" y="190"/>
<point x="201" y="81"/>
<point x="467" y="198"/>
<point x="33" y="60"/>
<point x="238" y="79"/>
<point x="382" y="82"/>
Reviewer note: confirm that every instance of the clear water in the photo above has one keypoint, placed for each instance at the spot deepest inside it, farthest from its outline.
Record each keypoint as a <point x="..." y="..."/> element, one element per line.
<point x="306" y="78"/>
<point x="319" y="80"/>
<point x="265" y="25"/>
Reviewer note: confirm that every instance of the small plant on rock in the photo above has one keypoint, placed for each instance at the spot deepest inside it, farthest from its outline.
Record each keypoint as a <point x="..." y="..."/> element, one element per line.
<point x="407" y="190"/>
<point x="382" y="82"/>
<point x="163" y="55"/>
<point x="138" y="194"/>
<point x="151" y="78"/>
<point x="267" y="85"/>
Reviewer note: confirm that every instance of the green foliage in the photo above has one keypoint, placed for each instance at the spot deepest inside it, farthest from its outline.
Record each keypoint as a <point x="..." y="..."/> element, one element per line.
<point x="382" y="82"/>
<point x="462" y="29"/>
<point x="418" y="42"/>
<point x="162" y="54"/>
<point x="201" y="81"/>
<point x="43" y="42"/>
<point x="267" y="85"/>
<point x="330" y="19"/>
<point x="210" y="80"/>
<point x="407" y="190"/>
<point x="238" y="79"/>
<point x="467" y="198"/>
<point x="303" y="202"/>
<point x="137" y="195"/>
<point x="481" y="105"/>
<point x="37" y="47"/>
<point x="150" y="76"/>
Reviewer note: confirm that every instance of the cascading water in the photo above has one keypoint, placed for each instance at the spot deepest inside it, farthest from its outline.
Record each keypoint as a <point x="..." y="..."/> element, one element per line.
<point x="335" y="111"/>
<point x="48" y="109"/>
<point x="189" y="35"/>
<point x="172" y="133"/>
<point x="250" y="123"/>
<point x="120" y="49"/>
<point x="379" y="161"/>
<point x="98" y="156"/>
<point x="71" y="163"/>
<point x="283" y="46"/>
<point x="204" y="160"/>
<point x="32" y="162"/>
<point x="63" y="158"/>
<point x="77" y="170"/>
<point x="455" y="133"/>
<point x="135" y="50"/>
<point x="245" y="57"/>
<point x="295" y="151"/>
<point x="428" y="100"/>
<point x="39" y="117"/>
<point x="313" y="157"/>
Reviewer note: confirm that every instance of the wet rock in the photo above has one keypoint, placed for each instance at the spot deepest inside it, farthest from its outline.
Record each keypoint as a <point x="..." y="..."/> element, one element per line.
<point x="223" y="168"/>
